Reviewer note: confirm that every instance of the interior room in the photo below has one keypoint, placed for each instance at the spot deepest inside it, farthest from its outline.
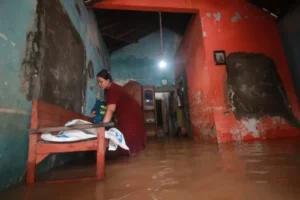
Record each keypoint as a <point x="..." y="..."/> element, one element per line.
<point x="148" y="99"/>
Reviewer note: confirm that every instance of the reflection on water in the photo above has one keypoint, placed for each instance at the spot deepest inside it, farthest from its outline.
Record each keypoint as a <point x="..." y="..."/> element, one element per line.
<point x="187" y="170"/>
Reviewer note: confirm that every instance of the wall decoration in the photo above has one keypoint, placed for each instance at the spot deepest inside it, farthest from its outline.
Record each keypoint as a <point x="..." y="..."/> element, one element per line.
<point x="164" y="82"/>
<point x="220" y="57"/>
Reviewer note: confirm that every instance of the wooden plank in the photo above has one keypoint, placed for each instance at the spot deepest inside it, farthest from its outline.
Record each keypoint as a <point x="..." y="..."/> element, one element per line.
<point x="34" y="115"/>
<point x="75" y="127"/>
<point x="59" y="119"/>
<point x="44" y="148"/>
<point x="120" y="39"/>
<point x="165" y="89"/>
<point x="46" y="109"/>
<point x="111" y="6"/>
<point x="45" y="115"/>
<point x="72" y="180"/>
<point x="31" y="161"/>
<point x="54" y="121"/>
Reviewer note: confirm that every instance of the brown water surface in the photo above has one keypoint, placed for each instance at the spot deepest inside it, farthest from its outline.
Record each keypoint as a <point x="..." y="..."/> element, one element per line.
<point x="185" y="170"/>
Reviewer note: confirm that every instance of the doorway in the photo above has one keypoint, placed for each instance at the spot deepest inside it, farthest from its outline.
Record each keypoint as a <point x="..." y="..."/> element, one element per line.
<point x="182" y="92"/>
<point x="162" y="114"/>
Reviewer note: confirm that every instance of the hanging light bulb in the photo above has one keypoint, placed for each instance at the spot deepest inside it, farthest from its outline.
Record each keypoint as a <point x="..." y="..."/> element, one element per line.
<point x="162" y="64"/>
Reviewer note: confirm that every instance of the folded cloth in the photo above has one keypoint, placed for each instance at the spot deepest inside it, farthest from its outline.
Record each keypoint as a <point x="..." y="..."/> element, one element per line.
<point x="114" y="136"/>
<point x="116" y="139"/>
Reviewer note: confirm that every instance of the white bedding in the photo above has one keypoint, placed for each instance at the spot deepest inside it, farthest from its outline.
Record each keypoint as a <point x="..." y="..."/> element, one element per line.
<point x="114" y="136"/>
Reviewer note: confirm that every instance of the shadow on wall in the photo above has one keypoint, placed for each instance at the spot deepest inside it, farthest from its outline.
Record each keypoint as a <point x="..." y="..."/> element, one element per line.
<point x="255" y="88"/>
<point x="290" y="34"/>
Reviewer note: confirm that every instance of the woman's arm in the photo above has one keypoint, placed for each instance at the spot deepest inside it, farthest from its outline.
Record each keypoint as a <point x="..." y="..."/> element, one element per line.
<point x="111" y="108"/>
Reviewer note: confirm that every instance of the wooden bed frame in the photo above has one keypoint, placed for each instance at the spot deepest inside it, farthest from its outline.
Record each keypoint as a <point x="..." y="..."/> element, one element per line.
<point x="47" y="115"/>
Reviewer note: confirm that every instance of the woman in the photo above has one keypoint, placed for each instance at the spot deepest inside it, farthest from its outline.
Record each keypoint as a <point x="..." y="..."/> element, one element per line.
<point x="128" y="113"/>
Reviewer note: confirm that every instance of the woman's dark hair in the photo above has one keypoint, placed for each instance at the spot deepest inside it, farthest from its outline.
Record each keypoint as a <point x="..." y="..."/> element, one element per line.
<point x="105" y="75"/>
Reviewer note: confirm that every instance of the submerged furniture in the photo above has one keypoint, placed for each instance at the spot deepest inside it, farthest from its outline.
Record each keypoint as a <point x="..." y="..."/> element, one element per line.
<point x="145" y="96"/>
<point x="149" y="110"/>
<point x="47" y="115"/>
<point x="135" y="90"/>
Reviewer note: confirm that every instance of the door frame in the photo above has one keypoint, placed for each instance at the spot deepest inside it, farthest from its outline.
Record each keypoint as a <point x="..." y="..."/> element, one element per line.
<point x="183" y="78"/>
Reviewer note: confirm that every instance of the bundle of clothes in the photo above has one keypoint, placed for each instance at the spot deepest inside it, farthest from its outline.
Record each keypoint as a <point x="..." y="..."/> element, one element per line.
<point x="114" y="136"/>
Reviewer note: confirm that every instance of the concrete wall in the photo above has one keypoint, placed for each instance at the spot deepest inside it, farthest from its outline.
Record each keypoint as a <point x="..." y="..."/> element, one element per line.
<point x="140" y="61"/>
<point x="233" y="26"/>
<point x="289" y="28"/>
<point x="191" y="58"/>
<point x="95" y="48"/>
<point x="15" y="108"/>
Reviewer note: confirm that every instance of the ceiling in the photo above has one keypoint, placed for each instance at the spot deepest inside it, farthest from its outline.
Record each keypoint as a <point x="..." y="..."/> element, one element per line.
<point x="277" y="7"/>
<point x="121" y="27"/>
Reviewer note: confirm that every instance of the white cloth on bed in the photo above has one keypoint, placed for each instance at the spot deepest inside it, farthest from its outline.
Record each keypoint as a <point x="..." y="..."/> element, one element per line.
<point x="114" y="136"/>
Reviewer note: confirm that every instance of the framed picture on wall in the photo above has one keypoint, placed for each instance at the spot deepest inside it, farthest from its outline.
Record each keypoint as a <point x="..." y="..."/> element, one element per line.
<point x="220" y="57"/>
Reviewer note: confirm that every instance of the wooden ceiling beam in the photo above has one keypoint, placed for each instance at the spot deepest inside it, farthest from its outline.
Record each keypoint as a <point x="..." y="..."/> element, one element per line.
<point x="115" y="47"/>
<point x="126" y="33"/>
<point x="120" y="39"/>
<point x="109" y="26"/>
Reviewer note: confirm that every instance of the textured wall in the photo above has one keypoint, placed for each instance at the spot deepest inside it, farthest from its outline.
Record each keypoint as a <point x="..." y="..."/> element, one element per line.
<point x="233" y="26"/>
<point x="14" y="109"/>
<point x="140" y="61"/>
<point x="255" y="89"/>
<point x="62" y="73"/>
<point x="95" y="49"/>
<point x="289" y="28"/>
<point x="191" y="57"/>
<point x="19" y="33"/>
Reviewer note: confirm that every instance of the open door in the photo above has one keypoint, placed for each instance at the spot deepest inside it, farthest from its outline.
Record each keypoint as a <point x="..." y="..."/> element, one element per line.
<point x="165" y="115"/>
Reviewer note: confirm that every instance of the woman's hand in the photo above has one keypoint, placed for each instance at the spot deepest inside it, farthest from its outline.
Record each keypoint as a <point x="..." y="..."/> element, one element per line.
<point x="111" y="108"/>
<point x="94" y="113"/>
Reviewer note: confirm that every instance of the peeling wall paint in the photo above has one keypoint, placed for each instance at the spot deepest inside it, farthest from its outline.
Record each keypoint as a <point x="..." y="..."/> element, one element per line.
<point x="251" y="126"/>
<point x="254" y="83"/>
<point x="16" y="78"/>
<point x="14" y="109"/>
<point x="217" y="16"/>
<point x="57" y="85"/>
<point x="95" y="49"/>
<point x="190" y="57"/>
<point x="33" y="56"/>
<point x="254" y="129"/>
<point x="237" y="17"/>
<point x="255" y="34"/>
<point x="5" y="38"/>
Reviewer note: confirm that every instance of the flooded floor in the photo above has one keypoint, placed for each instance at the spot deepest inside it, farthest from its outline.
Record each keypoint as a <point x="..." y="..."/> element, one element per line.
<point x="188" y="170"/>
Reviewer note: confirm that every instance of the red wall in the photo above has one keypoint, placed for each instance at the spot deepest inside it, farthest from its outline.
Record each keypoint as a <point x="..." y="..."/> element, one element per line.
<point x="191" y="56"/>
<point x="255" y="31"/>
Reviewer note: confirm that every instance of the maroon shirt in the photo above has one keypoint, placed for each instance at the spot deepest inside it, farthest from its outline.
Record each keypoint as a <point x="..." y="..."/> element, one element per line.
<point x="129" y="115"/>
